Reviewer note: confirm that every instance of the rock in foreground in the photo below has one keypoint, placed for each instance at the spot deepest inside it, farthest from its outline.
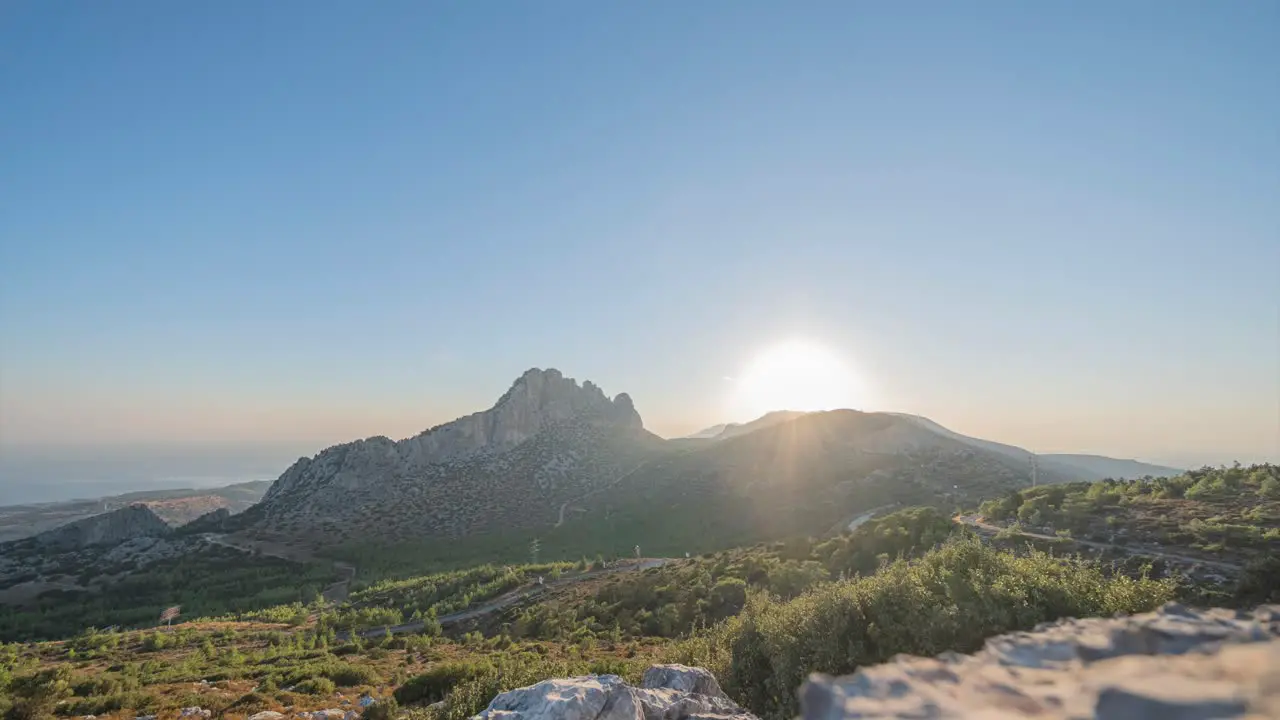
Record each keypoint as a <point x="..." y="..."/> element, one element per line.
<point x="1174" y="663"/>
<point x="670" y="692"/>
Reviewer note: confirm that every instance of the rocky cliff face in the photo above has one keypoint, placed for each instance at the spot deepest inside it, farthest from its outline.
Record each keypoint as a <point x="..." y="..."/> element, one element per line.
<point x="127" y="523"/>
<point x="546" y="438"/>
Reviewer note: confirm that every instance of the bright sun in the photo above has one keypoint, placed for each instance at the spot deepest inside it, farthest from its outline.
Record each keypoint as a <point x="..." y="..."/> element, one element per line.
<point x="795" y="375"/>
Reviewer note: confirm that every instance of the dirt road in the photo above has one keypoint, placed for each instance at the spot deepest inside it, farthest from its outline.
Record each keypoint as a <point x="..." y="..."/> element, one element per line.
<point x="519" y="593"/>
<point x="972" y="521"/>
<point x="335" y="593"/>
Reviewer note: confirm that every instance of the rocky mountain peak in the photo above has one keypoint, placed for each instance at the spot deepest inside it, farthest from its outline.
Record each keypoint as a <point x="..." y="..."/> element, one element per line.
<point x="538" y="400"/>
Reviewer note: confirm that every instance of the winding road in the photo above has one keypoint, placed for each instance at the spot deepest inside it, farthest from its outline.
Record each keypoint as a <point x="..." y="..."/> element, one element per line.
<point x="974" y="522"/>
<point x="513" y="596"/>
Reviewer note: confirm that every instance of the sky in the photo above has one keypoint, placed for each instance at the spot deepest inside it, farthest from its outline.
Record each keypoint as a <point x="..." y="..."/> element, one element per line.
<point x="291" y="224"/>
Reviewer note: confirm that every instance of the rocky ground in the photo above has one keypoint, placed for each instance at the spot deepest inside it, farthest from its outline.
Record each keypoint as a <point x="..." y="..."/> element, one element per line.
<point x="1176" y="663"/>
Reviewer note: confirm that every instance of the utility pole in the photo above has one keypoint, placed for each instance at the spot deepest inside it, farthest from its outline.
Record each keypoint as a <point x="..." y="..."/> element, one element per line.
<point x="1035" y="469"/>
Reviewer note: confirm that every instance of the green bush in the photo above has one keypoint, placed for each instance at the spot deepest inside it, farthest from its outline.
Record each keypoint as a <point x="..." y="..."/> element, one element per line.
<point x="111" y="702"/>
<point x="434" y="684"/>
<point x="950" y="599"/>
<point x="384" y="709"/>
<point x="315" y="686"/>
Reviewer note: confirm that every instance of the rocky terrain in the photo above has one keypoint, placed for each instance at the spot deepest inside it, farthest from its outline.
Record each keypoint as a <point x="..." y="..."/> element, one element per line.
<point x="667" y="692"/>
<point x="1174" y="663"/>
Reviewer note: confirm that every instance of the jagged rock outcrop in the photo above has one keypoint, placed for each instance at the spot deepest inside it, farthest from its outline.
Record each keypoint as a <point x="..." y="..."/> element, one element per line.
<point x="1174" y="663"/>
<point x="117" y="526"/>
<point x="667" y="694"/>
<point x="545" y="440"/>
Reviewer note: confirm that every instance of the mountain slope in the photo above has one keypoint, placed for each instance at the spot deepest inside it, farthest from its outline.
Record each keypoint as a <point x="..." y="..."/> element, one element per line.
<point x="544" y="442"/>
<point x="794" y="478"/>
<point x="732" y="430"/>
<point x="1098" y="467"/>
<point x="117" y="526"/>
<point x="1075" y="467"/>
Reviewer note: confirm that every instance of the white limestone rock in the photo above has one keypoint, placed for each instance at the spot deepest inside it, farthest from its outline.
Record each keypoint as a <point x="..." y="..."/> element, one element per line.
<point x="1174" y="663"/>
<point x="608" y="697"/>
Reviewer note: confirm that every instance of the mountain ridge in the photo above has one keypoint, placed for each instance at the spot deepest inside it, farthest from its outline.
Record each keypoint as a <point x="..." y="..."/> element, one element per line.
<point x="550" y="445"/>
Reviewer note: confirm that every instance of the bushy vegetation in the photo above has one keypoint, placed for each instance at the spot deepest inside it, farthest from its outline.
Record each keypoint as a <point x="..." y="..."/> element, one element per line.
<point x="760" y="617"/>
<point x="391" y="602"/>
<point x="949" y="599"/>
<point x="217" y="581"/>
<point x="1211" y="509"/>
<point x="673" y="600"/>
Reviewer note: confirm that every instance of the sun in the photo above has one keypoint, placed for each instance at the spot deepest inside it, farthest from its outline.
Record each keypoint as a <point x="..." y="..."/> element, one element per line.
<point x="795" y="375"/>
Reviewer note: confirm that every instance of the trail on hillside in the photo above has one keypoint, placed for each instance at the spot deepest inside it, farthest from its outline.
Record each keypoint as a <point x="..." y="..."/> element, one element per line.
<point x="334" y="593"/>
<point x="511" y="597"/>
<point x="972" y="521"/>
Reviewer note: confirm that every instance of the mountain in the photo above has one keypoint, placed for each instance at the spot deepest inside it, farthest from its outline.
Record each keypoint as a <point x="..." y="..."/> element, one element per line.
<point x="112" y="528"/>
<point x="545" y="441"/>
<point x="1099" y="467"/>
<point x="175" y="507"/>
<point x="567" y="464"/>
<point x="798" y="477"/>
<point x="1078" y="467"/>
<point x="729" y="430"/>
<point x="707" y="433"/>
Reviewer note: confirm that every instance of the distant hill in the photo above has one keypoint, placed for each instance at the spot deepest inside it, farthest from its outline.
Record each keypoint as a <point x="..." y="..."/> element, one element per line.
<point x="111" y="528"/>
<point x="1078" y="467"/>
<point x="1100" y="467"/>
<point x="730" y="430"/>
<point x="175" y="507"/>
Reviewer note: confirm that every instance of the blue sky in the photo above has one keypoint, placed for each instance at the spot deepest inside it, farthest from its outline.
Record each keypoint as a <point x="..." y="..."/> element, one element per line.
<point x="1050" y="224"/>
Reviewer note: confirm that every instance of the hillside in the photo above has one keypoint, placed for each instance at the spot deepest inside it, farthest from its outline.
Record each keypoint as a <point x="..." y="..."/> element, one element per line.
<point x="175" y="507"/>
<point x="1076" y="467"/>
<point x="800" y="477"/>
<point x="1215" y="522"/>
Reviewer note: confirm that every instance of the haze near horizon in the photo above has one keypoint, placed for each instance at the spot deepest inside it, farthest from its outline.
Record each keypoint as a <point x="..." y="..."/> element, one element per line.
<point x="1051" y="225"/>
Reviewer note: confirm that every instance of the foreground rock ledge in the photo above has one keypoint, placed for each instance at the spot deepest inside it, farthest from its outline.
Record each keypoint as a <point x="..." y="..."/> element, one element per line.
<point x="668" y="692"/>
<point x="1176" y="663"/>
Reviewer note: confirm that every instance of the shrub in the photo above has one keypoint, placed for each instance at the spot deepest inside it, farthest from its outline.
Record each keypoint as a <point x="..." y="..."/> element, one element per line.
<point x="346" y="675"/>
<point x="950" y="599"/>
<point x="315" y="686"/>
<point x="432" y="685"/>
<point x="384" y="709"/>
<point x="252" y="702"/>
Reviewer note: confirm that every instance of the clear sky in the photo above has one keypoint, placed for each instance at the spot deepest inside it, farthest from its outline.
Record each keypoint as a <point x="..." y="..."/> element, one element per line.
<point x="1053" y="224"/>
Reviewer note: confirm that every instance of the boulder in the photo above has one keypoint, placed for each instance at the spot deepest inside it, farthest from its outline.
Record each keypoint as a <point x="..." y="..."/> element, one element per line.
<point x="667" y="695"/>
<point x="329" y="714"/>
<point x="683" y="678"/>
<point x="266" y="715"/>
<point x="1174" y="663"/>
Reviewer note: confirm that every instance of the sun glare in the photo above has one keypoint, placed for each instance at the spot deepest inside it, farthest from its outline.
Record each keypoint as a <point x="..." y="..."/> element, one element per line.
<point x="796" y="375"/>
